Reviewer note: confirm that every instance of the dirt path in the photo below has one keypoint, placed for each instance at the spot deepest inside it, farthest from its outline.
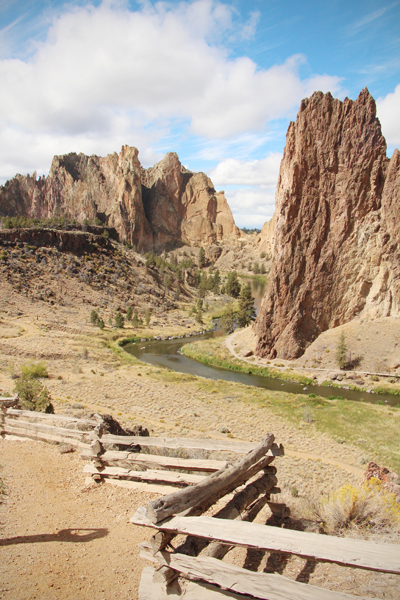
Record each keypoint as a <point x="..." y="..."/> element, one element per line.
<point x="61" y="539"/>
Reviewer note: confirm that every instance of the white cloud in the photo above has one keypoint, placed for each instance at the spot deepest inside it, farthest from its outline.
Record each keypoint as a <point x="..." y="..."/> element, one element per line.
<point x="240" y="172"/>
<point x="106" y="73"/>
<point x="389" y="116"/>
<point x="251" y="207"/>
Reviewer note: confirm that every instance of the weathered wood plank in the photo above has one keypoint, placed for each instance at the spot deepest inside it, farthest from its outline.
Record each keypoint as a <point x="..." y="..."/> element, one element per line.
<point x="266" y="586"/>
<point x="45" y="437"/>
<point x="40" y="427"/>
<point x="149" y="475"/>
<point x="151" y="488"/>
<point x="210" y="487"/>
<point x="166" y="462"/>
<point x="233" y="509"/>
<point x="345" y="551"/>
<point x="148" y="590"/>
<point x="190" y="444"/>
<point x="49" y="417"/>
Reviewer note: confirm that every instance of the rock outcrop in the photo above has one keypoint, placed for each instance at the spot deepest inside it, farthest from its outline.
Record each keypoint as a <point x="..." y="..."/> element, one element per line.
<point x="337" y="226"/>
<point x="154" y="208"/>
<point x="183" y="205"/>
<point x="265" y="240"/>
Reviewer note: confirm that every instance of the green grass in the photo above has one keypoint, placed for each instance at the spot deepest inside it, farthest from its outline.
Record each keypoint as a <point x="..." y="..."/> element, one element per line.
<point x="258" y="278"/>
<point x="342" y="420"/>
<point x="214" y="352"/>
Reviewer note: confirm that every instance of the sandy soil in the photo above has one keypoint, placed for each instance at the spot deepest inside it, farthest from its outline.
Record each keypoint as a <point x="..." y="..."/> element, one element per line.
<point x="63" y="540"/>
<point x="374" y="345"/>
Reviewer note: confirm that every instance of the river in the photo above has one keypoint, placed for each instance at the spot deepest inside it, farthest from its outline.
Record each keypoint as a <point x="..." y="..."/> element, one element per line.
<point x="166" y="353"/>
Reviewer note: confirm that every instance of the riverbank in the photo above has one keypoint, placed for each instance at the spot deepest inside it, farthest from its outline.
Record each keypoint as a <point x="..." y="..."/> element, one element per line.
<point x="370" y="427"/>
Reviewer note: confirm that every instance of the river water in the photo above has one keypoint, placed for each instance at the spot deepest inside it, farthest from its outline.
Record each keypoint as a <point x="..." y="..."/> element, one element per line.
<point x="166" y="353"/>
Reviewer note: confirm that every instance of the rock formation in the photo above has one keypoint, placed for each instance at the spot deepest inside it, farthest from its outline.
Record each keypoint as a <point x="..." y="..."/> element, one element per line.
<point x="183" y="205"/>
<point x="265" y="240"/>
<point x="154" y="208"/>
<point x="337" y="226"/>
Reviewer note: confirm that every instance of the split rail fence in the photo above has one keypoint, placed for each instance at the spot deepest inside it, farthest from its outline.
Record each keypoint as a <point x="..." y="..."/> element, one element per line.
<point x="188" y="545"/>
<point x="194" y="569"/>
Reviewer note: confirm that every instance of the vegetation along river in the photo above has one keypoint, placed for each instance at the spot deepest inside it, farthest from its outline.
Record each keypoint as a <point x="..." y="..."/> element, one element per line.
<point x="165" y="353"/>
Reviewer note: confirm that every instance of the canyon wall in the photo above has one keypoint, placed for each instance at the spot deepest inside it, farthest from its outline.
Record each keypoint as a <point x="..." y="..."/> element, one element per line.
<point x="336" y="250"/>
<point x="150" y="208"/>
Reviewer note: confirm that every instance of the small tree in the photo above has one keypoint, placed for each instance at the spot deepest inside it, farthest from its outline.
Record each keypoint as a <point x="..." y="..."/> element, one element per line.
<point x="119" y="320"/>
<point x="262" y="269"/>
<point x="94" y="317"/>
<point x="202" y="258"/>
<point x="247" y="312"/>
<point x="199" y="316"/>
<point x="135" y="320"/>
<point x="147" y="317"/>
<point x="101" y="324"/>
<point x="256" y="268"/>
<point x="232" y="287"/>
<point x="227" y="319"/>
<point x="341" y="350"/>
<point x="33" y="394"/>
<point x="129" y="313"/>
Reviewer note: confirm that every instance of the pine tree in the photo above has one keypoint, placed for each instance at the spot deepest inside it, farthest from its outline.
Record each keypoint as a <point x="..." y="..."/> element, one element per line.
<point x="232" y="287"/>
<point x="147" y="317"/>
<point x="129" y="313"/>
<point x="119" y="320"/>
<point x="202" y="258"/>
<point x="247" y="312"/>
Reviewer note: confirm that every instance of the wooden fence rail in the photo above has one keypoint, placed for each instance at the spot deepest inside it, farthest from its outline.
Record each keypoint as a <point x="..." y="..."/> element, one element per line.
<point x="195" y="570"/>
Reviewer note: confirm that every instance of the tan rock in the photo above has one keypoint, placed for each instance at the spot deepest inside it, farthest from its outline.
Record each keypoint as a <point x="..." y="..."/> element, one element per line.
<point x="337" y="232"/>
<point x="150" y="208"/>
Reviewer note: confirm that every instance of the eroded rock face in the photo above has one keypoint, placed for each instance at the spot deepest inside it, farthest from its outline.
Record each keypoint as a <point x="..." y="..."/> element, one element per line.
<point x="151" y="208"/>
<point x="337" y="226"/>
<point x="183" y="205"/>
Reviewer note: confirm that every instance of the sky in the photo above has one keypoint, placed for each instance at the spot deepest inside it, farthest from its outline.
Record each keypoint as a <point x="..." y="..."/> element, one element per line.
<point x="216" y="82"/>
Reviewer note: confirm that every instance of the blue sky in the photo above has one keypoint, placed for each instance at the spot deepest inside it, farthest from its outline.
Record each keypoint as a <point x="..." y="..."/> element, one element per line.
<point x="217" y="82"/>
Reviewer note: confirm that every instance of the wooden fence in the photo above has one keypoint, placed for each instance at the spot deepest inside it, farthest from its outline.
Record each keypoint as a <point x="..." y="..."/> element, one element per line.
<point x="195" y="570"/>
<point x="46" y="427"/>
<point x="200" y="478"/>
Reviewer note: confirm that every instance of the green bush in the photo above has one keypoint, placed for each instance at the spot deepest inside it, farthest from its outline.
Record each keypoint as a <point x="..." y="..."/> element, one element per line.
<point x="34" y="370"/>
<point x="33" y="395"/>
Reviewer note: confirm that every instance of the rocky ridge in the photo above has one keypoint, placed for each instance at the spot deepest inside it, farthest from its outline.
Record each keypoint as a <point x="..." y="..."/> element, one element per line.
<point x="337" y="233"/>
<point x="150" y="208"/>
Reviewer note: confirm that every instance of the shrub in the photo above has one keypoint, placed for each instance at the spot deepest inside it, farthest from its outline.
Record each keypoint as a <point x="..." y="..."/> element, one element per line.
<point x="94" y="317"/>
<point x="129" y="313"/>
<point x="33" y="395"/>
<point x="101" y="324"/>
<point x="119" y="320"/>
<point x="370" y="506"/>
<point x="34" y="370"/>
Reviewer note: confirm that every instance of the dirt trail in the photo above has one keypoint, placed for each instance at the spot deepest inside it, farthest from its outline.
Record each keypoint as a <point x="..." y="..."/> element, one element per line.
<point x="61" y="539"/>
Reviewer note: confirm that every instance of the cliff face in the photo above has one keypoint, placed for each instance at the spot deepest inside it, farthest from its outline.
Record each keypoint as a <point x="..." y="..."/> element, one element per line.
<point x="337" y="226"/>
<point x="151" y="208"/>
